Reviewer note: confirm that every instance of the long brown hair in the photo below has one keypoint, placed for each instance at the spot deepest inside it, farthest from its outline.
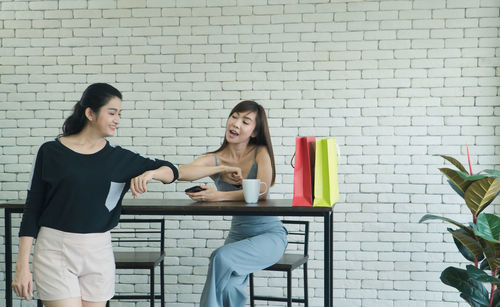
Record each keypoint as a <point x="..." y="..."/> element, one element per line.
<point x="262" y="136"/>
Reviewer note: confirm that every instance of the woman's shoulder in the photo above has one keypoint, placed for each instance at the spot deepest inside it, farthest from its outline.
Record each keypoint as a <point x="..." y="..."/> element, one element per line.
<point x="119" y="150"/>
<point x="262" y="151"/>
<point x="48" y="144"/>
<point x="49" y="148"/>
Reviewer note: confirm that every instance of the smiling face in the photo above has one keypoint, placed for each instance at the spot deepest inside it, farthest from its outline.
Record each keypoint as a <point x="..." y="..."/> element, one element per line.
<point x="240" y="127"/>
<point x="107" y="118"/>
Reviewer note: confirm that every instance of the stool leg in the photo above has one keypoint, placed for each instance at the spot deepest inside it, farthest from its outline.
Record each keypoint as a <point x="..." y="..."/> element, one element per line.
<point x="252" y="301"/>
<point x="152" y="288"/>
<point x="289" y="288"/>
<point x="162" y="280"/>
<point x="306" y="291"/>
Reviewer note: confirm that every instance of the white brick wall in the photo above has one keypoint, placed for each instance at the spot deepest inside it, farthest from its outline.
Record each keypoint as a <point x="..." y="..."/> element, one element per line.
<point x="394" y="81"/>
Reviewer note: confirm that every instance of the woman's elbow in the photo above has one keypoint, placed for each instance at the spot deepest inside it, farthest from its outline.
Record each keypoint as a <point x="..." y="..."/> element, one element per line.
<point x="164" y="174"/>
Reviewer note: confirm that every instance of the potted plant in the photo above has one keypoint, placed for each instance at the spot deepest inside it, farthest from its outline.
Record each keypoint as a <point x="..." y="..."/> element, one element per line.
<point x="479" y="241"/>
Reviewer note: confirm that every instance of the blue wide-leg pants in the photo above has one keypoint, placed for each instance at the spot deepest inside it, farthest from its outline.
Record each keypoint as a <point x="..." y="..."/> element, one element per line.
<point x="231" y="264"/>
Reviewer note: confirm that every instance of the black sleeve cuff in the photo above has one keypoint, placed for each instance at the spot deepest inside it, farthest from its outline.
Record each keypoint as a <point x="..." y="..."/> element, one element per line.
<point x="172" y="167"/>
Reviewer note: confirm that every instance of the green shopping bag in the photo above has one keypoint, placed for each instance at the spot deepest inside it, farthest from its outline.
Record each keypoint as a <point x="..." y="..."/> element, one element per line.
<point x="326" y="185"/>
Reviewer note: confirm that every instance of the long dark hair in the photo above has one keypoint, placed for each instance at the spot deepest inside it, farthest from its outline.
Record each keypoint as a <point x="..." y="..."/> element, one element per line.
<point x="261" y="130"/>
<point x="94" y="97"/>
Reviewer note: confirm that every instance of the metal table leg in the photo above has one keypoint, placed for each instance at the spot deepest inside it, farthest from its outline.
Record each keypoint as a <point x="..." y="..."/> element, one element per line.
<point x="8" y="258"/>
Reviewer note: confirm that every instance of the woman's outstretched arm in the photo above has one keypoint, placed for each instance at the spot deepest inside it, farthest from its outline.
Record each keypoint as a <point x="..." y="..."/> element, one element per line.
<point x="204" y="166"/>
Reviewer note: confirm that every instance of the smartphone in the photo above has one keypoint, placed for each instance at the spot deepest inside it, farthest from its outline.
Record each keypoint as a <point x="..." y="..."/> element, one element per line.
<point x="194" y="189"/>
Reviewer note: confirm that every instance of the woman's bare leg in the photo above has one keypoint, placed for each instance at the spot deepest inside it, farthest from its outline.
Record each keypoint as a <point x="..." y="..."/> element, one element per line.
<point x="70" y="302"/>
<point x="73" y="302"/>
<point x="93" y="304"/>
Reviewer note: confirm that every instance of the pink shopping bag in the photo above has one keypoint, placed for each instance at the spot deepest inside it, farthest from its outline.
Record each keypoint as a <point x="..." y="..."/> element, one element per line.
<point x="303" y="174"/>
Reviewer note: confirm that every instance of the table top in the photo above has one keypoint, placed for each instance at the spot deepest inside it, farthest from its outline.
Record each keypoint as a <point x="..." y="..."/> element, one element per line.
<point x="189" y="207"/>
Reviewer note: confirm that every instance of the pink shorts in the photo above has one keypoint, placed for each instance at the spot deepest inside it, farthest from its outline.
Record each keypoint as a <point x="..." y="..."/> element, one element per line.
<point x="68" y="265"/>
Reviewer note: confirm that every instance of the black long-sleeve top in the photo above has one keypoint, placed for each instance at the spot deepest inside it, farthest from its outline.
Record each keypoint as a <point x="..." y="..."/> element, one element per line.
<point x="81" y="193"/>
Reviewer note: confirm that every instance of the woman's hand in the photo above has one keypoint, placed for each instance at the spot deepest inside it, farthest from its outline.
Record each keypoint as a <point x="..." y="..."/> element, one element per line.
<point x="209" y="194"/>
<point x="23" y="283"/>
<point x="138" y="185"/>
<point x="232" y="175"/>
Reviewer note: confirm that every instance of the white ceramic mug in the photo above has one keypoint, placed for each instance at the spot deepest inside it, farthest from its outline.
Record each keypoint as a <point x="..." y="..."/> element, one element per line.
<point x="251" y="190"/>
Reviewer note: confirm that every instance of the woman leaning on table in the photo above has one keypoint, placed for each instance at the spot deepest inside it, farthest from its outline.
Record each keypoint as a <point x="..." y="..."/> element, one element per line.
<point x="254" y="242"/>
<point x="74" y="199"/>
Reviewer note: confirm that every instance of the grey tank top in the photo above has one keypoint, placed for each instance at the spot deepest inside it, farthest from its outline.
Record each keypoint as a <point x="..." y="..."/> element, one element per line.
<point x="221" y="185"/>
<point x="247" y="226"/>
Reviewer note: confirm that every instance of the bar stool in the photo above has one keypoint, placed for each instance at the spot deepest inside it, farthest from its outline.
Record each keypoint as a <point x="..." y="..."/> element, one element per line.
<point x="299" y="236"/>
<point x="147" y="260"/>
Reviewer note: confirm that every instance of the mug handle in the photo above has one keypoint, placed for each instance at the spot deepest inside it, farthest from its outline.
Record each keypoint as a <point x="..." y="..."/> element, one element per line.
<point x="262" y="182"/>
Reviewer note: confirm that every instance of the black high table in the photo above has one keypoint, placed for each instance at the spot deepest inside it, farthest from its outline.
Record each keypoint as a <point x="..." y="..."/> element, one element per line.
<point x="276" y="207"/>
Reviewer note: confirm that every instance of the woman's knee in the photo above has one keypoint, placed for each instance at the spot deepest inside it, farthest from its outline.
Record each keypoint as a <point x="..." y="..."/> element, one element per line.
<point x="219" y="257"/>
<point x="70" y="302"/>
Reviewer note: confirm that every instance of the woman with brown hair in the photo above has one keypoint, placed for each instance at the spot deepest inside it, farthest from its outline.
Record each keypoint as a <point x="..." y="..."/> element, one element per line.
<point x="254" y="242"/>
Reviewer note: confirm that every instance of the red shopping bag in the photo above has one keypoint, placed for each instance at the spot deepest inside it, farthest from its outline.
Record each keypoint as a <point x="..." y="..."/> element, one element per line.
<point x="303" y="174"/>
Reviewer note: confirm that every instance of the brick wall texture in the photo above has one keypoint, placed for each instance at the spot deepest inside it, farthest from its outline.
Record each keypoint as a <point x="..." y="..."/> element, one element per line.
<point x="396" y="82"/>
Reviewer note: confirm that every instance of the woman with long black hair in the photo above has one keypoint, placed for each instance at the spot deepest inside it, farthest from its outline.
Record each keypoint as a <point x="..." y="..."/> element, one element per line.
<point x="254" y="242"/>
<point x="74" y="200"/>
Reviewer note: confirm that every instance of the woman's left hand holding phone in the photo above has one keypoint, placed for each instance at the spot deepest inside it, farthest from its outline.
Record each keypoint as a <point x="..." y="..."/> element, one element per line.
<point x="208" y="194"/>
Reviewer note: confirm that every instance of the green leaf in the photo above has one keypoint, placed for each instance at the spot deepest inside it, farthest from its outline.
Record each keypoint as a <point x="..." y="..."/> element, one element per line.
<point x="485" y="265"/>
<point x="496" y="299"/>
<point x="467" y="177"/>
<point x="488" y="227"/>
<point x="481" y="193"/>
<point x="481" y="276"/>
<point x="436" y="217"/>
<point x="492" y="252"/>
<point x="470" y="301"/>
<point x="454" y="177"/>
<point x="470" y="288"/>
<point x="469" y="241"/>
<point x="492" y="172"/>
<point x="455" y="162"/>
<point x="464" y="250"/>
<point x="456" y="189"/>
